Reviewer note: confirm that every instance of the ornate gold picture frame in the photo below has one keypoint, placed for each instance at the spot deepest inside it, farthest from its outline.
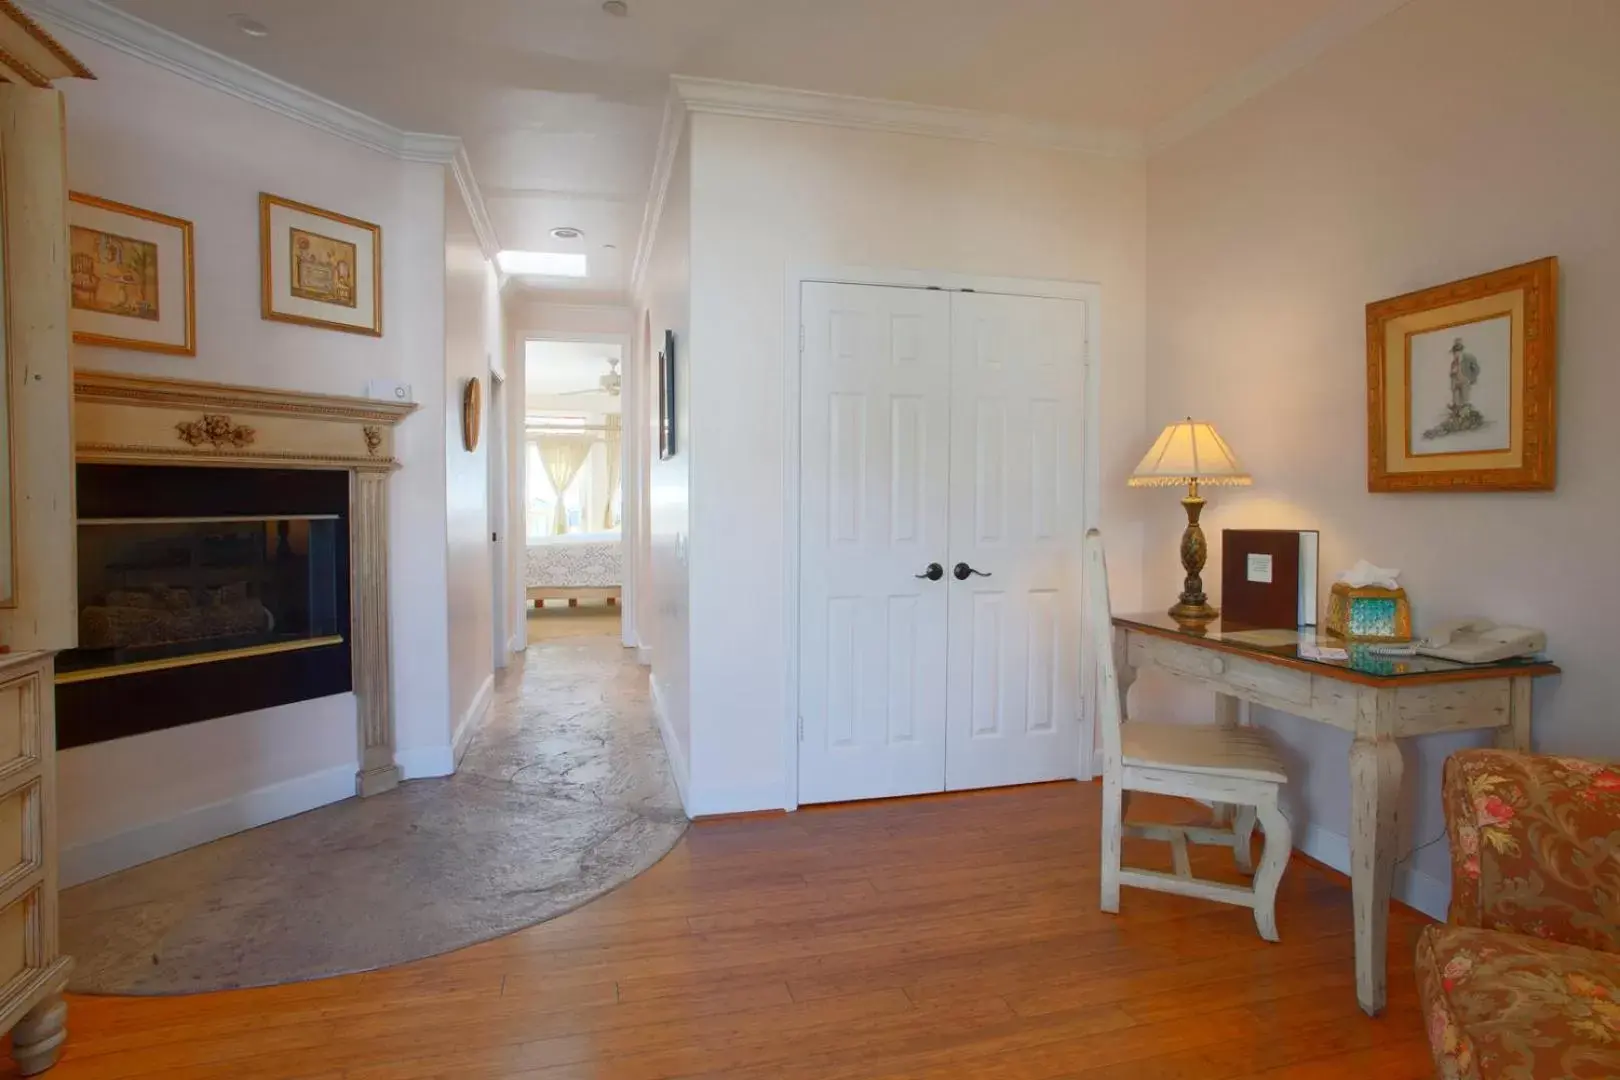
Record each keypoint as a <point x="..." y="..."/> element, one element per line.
<point x="134" y="283"/>
<point x="319" y="268"/>
<point x="1461" y="382"/>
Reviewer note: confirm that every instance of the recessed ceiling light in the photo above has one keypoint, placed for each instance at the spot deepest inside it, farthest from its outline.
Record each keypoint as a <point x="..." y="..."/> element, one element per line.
<point x="542" y="263"/>
<point x="566" y="232"/>
<point x="249" y="25"/>
<point x="617" y="8"/>
<point x="610" y="247"/>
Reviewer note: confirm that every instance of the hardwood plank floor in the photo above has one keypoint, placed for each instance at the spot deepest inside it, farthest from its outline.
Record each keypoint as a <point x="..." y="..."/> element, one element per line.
<point x="932" y="938"/>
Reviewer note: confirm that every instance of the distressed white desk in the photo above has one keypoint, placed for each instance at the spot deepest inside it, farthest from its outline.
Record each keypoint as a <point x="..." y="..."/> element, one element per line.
<point x="1377" y="699"/>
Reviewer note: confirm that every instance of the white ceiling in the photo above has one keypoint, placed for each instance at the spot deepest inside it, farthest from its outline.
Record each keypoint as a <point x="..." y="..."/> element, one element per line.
<point x="559" y="103"/>
<point x="551" y="368"/>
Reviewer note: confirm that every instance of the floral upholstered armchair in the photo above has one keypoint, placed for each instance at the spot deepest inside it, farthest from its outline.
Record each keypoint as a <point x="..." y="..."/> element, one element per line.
<point x="1524" y="980"/>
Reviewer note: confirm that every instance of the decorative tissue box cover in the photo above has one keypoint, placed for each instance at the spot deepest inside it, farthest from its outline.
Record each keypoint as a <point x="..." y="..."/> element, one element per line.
<point x="1369" y="613"/>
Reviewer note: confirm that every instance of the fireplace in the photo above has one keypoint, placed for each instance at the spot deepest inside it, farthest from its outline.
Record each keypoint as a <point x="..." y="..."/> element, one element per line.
<point x="204" y="593"/>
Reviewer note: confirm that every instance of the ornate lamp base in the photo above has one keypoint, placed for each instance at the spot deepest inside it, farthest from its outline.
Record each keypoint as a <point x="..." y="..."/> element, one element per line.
<point x="1193" y="606"/>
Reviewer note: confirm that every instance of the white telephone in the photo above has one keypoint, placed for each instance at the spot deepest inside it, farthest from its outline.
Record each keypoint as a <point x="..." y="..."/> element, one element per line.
<point x="1480" y="641"/>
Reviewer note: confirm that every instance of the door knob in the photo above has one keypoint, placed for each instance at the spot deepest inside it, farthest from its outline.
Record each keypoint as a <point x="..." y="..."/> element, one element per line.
<point x="933" y="573"/>
<point x="963" y="571"/>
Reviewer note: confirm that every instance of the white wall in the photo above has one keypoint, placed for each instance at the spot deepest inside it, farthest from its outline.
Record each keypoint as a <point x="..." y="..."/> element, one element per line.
<point x="474" y="342"/>
<point x="666" y="304"/>
<point x="145" y="136"/>
<point x="767" y="194"/>
<point x="1451" y="138"/>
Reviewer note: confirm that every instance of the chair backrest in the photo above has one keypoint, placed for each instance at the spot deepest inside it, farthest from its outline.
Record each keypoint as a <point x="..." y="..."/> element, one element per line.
<point x="1100" y="633"/>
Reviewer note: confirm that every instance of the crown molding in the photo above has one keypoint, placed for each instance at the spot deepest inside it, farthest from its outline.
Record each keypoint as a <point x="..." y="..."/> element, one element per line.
<point x="839" y="110"/>
<point x="1348" y="19"/>
<point x="467" y="184"/>
<point x="670" y="133"/>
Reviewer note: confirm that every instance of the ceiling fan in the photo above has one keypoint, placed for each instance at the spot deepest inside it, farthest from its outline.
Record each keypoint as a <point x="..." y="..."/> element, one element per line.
<point x="607" y="384"/>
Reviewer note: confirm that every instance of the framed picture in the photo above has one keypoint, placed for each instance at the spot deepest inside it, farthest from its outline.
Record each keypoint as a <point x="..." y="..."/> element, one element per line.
<point x="317" y="268"/>
<point x="1460" y="384"/>
<point x="666" y="398"/>
<point x="133" y="282"/>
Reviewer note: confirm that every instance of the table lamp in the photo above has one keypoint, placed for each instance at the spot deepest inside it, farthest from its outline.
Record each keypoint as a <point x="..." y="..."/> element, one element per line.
<point x="1190" y="452"/>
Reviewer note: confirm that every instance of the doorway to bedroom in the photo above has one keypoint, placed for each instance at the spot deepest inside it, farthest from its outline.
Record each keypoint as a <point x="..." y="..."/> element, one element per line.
<point x="573" y="490"/>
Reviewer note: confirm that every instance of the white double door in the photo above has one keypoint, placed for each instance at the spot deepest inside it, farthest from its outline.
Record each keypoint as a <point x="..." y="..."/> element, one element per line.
<point x="938" y="428"/>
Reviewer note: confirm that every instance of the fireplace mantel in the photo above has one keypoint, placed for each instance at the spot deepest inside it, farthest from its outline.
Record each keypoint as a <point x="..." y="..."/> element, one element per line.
<point x="134" y="420"/>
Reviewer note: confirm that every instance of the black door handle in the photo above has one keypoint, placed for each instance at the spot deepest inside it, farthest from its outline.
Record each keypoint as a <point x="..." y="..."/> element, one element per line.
<point x="933" y="573"/>
<point x="963" y="571"/>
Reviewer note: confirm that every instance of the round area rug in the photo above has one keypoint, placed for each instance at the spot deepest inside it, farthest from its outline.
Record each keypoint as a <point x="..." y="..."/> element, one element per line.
<point x="564" y="794"/>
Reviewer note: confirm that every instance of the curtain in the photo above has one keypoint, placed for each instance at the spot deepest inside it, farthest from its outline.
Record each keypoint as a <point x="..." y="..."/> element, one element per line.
<point x="613" y="441"/>
<point x="562" y="455"/>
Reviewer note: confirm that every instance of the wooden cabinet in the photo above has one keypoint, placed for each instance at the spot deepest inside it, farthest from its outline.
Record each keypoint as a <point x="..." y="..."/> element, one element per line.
<point x="32" y="972"/>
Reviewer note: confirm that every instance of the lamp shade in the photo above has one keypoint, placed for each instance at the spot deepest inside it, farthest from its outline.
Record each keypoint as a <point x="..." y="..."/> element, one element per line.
<point x="1189" y="450"/>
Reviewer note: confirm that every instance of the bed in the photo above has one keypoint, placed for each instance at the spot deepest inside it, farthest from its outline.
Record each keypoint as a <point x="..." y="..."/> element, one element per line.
<point x="579" y="566"/>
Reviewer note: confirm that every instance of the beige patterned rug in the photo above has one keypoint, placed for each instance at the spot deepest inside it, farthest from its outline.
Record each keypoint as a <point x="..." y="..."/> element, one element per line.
<point x="562" y="795"/>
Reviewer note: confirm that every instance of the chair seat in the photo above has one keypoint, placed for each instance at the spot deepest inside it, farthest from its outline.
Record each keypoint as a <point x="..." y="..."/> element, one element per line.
<point x="1246" y="752"/>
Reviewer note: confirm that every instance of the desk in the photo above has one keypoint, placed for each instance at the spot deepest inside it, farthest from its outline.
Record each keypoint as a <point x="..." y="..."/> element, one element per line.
<point x="1377" y="699"/>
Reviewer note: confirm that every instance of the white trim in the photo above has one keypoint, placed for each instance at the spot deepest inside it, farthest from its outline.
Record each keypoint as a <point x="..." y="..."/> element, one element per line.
<point x="466" y="183"/>
<point x="670" y="132"/>
<point x="644" y="655"/>
<point x="423" y="762"/>
<point x="98" y="858"/>
<point x="1088" y="292"/>
<point x="519" y="642"/>
<point x="898" y="117"/>
<point x="672" y="746"/>
<point x="1411" y="887"/>
<point x="472" y="719"/>
<point x="1249" y="81"/>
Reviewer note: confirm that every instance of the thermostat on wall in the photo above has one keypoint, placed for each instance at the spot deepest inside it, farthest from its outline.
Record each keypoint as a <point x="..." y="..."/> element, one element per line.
<point x="388" y="390"/>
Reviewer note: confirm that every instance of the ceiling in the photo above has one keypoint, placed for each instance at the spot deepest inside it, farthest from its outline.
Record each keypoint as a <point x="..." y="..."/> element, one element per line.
<point x="559" y="103"/>
<point x="551" y="368"/>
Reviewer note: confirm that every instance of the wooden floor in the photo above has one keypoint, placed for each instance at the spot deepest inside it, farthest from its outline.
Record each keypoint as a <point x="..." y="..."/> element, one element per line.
<point x="946" y="937"/>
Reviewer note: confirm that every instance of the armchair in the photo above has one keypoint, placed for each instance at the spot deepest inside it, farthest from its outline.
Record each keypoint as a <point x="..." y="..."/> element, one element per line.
<point x="1524" y="979"/>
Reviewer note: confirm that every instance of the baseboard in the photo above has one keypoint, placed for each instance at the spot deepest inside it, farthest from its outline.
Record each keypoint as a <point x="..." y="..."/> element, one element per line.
<point x="519" y="642"/>
<point x="423" y="762"/>
<point x="98" y="858"/>
<point x="644" y="655"/>
<point x="672" y="745"/>
<point x="1412" y="887"/>
<point x="708" y="804"/>
<point x="473" y="718"/>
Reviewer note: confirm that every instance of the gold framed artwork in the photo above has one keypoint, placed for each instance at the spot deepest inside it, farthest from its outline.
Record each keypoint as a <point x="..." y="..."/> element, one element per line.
<point x="319" y="268"/>
<point x="133" y="280"/>
<point x="1461" y="382"/>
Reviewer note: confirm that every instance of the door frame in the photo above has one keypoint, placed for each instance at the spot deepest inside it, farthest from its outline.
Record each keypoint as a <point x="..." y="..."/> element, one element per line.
<point x="630" y="481"/>
<point x="498" y="451"/>
<point x="1091" y="449"/>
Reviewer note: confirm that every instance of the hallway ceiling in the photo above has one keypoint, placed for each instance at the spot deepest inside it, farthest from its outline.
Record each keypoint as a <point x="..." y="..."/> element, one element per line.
<point x="559" y="103"/>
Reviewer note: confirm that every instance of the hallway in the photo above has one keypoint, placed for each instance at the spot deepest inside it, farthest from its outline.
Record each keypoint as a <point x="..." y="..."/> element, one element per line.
<point x="562" y="795"/>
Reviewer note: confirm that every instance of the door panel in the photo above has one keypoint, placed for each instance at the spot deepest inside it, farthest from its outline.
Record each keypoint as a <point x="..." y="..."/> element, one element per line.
<point x="1017" y="388"/>
<point x="875" y="427"/>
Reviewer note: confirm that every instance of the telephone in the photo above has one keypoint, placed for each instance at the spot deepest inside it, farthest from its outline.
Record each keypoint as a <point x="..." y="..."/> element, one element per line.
<point x="1480" y="641"/>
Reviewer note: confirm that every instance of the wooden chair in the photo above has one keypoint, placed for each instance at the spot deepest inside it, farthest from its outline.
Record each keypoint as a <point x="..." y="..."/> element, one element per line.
<point x="1237" y="767"/>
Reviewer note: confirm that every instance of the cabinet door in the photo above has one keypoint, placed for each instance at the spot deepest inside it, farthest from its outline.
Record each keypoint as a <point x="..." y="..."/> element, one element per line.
<point x="1016" y="498"/>
<point x="873" y="494"/>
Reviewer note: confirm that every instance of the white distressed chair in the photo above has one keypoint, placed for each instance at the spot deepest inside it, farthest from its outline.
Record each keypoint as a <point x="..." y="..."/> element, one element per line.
<point x="1237" y="766"/>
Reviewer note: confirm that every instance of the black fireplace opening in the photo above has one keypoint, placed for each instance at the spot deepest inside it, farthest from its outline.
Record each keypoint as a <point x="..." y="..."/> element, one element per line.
<point x="204" y="592"/>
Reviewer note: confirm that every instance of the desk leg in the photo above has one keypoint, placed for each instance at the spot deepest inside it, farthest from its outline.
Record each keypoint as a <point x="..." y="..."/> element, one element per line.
<point x="1375" y="791"/>
<point x="1228" y="714"/>
<point x="1516" y="735"/>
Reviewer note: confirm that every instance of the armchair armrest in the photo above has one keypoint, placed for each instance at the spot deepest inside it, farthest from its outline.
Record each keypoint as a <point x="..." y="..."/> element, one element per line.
<point x="1535" y="845"/>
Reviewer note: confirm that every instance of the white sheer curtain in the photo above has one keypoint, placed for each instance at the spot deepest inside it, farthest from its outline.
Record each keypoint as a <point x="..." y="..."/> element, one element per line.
<point x="562" y="455"/>
<point x="612" y="441"/>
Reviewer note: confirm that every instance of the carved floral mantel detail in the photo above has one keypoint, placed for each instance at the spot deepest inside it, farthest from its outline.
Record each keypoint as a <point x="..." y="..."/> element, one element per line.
<point x="374" y="438"/>
<point x="216" y="429"/>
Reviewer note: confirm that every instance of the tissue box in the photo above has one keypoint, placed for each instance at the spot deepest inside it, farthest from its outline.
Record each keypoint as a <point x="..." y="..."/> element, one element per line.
<point x="1369" y="613"/>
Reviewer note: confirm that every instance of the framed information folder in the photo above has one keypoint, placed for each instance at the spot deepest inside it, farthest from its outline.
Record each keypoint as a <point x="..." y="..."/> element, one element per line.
<point x="1268" y="578"/>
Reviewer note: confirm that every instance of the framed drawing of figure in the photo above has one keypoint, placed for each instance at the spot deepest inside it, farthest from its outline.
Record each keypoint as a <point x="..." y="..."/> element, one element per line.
<point x="1461" y="383"/>
<point x="317" y="268"/>
<point x="133" y="284"/>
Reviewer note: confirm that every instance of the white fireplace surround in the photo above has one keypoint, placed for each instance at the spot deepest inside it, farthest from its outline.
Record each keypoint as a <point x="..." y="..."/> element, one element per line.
<point x="126" y="419"/>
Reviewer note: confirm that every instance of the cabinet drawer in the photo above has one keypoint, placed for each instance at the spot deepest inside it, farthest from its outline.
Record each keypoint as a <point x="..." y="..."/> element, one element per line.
<point x="1271" y="684"/>
<point x="19" y="723"/>
<point x="15" y="921"/>
<point x="20" y="844"/>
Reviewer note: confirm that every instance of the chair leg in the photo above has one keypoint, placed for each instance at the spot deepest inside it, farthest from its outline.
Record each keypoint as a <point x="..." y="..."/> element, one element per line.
<point x="1273" y="861"/>
<point x="1243" y="827"/>
<point x="1113" y="816"/>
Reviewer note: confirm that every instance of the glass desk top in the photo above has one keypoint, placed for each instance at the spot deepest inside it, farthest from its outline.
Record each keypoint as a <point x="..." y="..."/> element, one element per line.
<point x="1283" y="647"/>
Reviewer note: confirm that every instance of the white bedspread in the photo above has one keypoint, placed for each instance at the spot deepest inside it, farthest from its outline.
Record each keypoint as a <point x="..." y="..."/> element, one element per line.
<point x="579" y="560"/>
